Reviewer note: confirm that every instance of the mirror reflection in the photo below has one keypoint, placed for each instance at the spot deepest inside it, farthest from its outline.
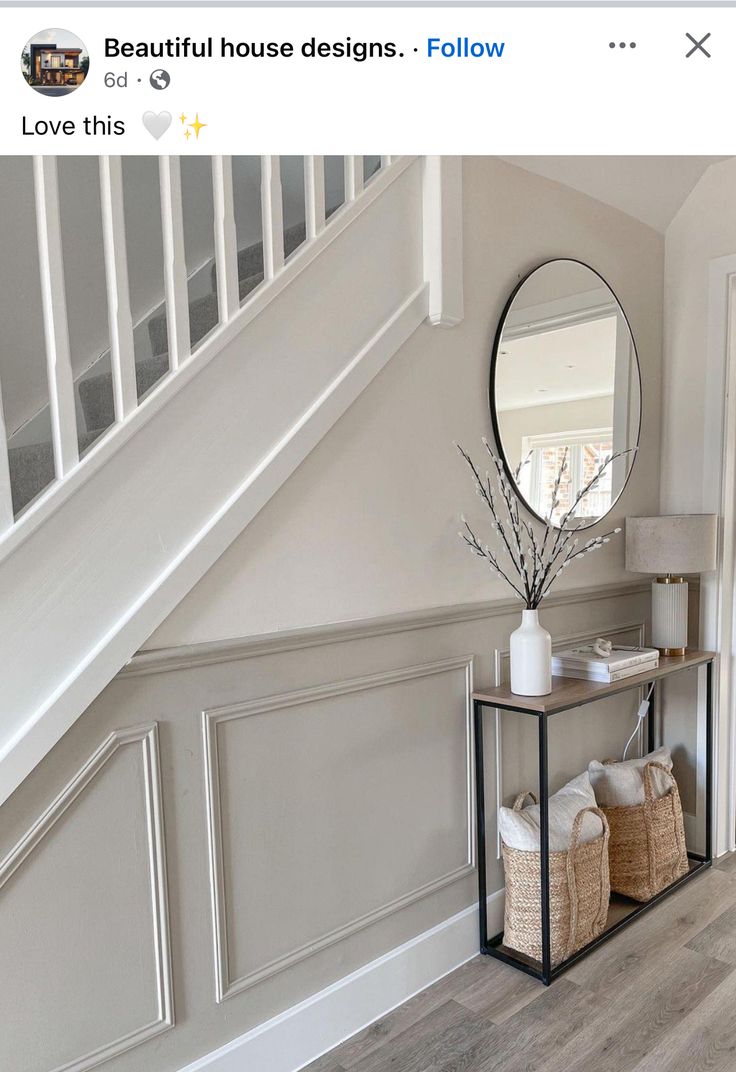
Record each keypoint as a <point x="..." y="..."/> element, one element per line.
<point x="565" y="393"/>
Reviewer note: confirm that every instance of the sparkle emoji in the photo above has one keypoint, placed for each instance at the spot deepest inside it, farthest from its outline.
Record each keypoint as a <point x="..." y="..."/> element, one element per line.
<point x="196" y="126"/>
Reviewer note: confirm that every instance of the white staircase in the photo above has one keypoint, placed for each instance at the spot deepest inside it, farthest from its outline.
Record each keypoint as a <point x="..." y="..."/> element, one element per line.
<point x="116" y="538"/>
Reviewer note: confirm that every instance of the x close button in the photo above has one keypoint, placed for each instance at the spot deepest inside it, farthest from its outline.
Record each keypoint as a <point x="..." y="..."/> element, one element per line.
<point x="697" y="46"/>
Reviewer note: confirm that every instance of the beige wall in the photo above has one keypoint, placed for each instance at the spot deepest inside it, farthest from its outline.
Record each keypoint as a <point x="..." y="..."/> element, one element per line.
<point x="704" y="229"/>
<point x="368" y="524"/>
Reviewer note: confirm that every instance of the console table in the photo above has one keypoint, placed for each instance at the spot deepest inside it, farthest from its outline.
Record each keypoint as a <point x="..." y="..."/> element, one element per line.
<point x="568" y="693"/>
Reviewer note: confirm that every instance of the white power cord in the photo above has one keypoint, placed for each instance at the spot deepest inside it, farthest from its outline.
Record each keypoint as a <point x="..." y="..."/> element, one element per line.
<point x="641" y="714"/>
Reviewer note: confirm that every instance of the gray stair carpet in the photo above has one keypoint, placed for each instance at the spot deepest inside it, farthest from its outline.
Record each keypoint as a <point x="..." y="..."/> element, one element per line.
<point x="32" y="468"/>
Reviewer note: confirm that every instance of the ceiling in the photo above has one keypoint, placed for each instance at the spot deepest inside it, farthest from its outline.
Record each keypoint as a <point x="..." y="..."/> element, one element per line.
<point x="650" y="188"/>
<point x="557" y="366"/>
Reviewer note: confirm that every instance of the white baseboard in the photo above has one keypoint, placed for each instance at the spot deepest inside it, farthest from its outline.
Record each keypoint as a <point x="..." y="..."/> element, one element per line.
<point x="303" y="1033"/>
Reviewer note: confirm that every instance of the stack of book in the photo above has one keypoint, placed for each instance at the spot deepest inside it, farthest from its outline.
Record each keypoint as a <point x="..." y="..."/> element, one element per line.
<point x="585" y="663"/>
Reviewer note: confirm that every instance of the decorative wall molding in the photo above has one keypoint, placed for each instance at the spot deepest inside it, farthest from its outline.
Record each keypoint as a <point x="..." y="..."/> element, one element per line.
<point x="225" y="985"/>
<point x="303" y="1033"/>
<point x="147" y="738"/>
<point x="210" y="653"/>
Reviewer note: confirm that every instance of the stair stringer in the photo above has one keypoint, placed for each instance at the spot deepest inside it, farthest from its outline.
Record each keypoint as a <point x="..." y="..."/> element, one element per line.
<point x="83" y="590"/>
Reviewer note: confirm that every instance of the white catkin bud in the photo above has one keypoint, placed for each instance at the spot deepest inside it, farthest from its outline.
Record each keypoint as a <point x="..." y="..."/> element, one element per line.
<point x="462" y="518"/>
<point x="617" y="530"/>
<point x="607" y="540"/>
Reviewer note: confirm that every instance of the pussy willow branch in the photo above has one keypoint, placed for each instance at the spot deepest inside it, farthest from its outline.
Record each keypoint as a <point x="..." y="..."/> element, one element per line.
<point x="538" y="565"/>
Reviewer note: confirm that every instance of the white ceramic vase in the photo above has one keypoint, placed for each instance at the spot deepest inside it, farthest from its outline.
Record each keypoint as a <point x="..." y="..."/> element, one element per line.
<point x="531" y="657"/>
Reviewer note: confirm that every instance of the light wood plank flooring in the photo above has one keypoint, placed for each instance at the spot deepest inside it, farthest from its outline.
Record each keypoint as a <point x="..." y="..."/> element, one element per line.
<point x="659" y="997"/>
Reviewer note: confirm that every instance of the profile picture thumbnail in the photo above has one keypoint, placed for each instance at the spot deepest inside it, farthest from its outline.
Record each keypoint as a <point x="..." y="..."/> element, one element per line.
<point x="54" y="62"/>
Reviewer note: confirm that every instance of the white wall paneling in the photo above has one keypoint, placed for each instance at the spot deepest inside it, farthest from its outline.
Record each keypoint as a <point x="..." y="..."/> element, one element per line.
<point x="85" y="913"/>
<point x="317" y="821"/>
<point x="434" y="700"/>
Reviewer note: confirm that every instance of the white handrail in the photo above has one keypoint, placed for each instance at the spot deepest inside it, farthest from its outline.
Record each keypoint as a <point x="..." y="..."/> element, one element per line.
<point x="176" y="285"/>
<point x="272" y="208"/>
<point x="56" y="329"/>
<point x="226" y="243"/>
<point x="122" y="350"/>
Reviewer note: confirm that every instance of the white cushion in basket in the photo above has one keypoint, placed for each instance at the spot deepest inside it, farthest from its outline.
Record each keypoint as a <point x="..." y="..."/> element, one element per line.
<point x="520" y="829"/>
<point x="622" y="784"/>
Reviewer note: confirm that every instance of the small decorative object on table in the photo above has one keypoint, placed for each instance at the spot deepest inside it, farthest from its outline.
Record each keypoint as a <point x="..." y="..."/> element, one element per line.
<point x="603" y="662"/>
<point x="530" y="561"/>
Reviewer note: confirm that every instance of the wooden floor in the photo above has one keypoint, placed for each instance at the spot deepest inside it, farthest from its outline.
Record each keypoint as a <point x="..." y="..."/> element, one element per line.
<point x="659" y="997"/>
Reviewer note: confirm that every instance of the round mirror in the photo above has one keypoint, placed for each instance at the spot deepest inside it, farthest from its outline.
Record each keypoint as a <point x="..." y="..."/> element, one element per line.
<point x="565" y="394"/>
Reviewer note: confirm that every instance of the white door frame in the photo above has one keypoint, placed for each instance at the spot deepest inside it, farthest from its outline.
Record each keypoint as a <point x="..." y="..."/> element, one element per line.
<point x="718" y="590"/>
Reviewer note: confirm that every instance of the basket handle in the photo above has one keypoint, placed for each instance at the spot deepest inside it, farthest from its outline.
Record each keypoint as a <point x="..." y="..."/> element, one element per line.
<point x="674" y="795"/>
<point x="518" y="803"/>
<point x="649" y="784"/>
<point x="577" y="827"/>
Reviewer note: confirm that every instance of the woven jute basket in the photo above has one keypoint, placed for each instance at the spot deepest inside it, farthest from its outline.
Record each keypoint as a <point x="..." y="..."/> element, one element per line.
<point x="578" y="893"/>
<point x="647" y="848"/>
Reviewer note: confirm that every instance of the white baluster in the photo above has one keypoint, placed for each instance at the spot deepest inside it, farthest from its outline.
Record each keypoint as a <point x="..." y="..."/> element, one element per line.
<point x="226" y="245"/>
<point x="314" y="185"/>
<point x="56" y="329"/>
<point x="122" y="351"/>
<point x="353" y="177"/>
<point x="385" y="161"/>
<point x="273" y="216"/>
<point x="6" y="498"/>
<point x="175" y="267"/>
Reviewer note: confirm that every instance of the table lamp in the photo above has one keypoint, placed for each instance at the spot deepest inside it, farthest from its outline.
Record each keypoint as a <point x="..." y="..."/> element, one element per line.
<point x="671" y="546"/>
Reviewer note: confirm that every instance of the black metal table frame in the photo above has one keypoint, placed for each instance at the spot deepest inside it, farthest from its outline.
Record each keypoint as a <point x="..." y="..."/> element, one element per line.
<point x="491" y="946"/>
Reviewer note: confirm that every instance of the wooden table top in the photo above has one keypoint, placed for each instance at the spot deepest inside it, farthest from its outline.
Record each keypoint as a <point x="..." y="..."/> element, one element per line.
<point x="570" y="692"/>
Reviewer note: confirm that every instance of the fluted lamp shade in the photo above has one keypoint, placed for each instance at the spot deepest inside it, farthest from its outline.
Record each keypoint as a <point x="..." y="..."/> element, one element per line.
<point x="671" y="546"/>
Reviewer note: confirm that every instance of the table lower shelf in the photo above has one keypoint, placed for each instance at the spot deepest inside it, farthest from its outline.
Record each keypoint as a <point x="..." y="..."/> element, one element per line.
<point x="621" y="912"/>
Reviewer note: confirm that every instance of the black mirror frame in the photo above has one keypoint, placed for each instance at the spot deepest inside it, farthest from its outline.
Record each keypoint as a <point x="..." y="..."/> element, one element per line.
<point x="492" y="388"/>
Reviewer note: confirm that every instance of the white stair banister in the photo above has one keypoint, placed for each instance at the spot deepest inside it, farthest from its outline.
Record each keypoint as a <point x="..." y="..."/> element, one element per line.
<point x="56" y="328"/>
<point x="314" y="186"/>
<point x="122" y="351"/>
<point x="226" y="246"/>
<point x="175" y="268"/>
<point x="272" y="208"/>
<point x="353" y="177"/>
